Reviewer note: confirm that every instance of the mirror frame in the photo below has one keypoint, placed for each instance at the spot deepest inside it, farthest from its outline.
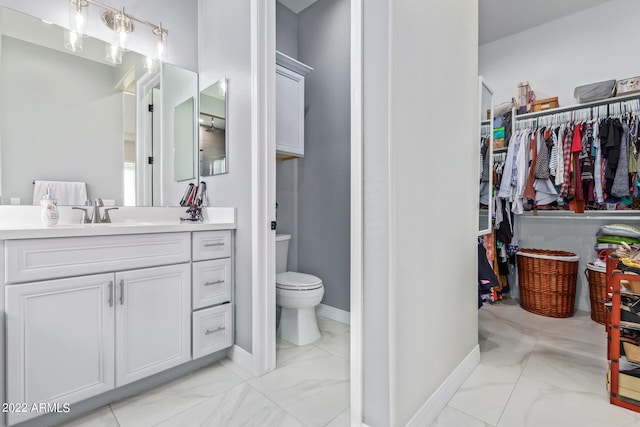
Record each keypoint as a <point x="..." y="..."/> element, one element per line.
<point x="484" y="229"/>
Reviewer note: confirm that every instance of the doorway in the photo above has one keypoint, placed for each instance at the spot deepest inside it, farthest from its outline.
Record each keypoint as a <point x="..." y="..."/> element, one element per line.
<point x="264" y="311"/>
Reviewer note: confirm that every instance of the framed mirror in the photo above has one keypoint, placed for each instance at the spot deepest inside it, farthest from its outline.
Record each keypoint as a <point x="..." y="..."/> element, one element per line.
<point x="214" y="153"/>
<point x="485" y="156"/>
<point x="75" y="117"/>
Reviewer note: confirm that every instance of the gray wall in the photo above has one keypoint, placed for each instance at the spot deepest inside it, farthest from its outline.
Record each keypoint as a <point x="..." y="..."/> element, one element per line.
<point x="46" y="127"/>
<point x="287" y="171"/>
<point x="225" y="51"/>
<point x="315" y="209"/>
<point x="286" y="31"/>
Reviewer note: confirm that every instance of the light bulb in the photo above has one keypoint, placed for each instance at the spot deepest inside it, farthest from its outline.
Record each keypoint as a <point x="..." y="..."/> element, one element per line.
<point x="113" y="54"/>
<point x="121" y="26"/>
<point x="150" y="64"/>
<point x="73" y="41"/>
<point x="161" y="43"/>
<point x="78" y="17"/>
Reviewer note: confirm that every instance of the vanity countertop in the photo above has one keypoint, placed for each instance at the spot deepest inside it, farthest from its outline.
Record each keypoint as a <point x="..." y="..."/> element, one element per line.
<point x="23" y="222"/>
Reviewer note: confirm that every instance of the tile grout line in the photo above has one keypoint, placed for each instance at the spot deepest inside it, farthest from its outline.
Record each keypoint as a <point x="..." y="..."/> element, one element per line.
<point x="524" y="365"/>
<point x="276" y="403"/>
<point x="113" y="414"/>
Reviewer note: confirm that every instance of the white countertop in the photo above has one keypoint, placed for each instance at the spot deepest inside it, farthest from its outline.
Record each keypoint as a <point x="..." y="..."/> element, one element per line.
<point x="23" y="222"/>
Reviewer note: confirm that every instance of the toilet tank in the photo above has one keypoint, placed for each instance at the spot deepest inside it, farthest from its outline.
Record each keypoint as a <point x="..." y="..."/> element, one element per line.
<point x="282" y="250"/>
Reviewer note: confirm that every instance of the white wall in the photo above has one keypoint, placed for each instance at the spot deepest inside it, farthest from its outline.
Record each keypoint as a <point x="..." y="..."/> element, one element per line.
<point x="582" y="48"/>
<point x="376" y="200"/>
<point x="550" y="232"/>
<point x="591" y="45"/>
<point x="225" y="51"/>
<point x="179" y="17"/>
<point x="46" y="127"/>
<point x="431" y="172"/>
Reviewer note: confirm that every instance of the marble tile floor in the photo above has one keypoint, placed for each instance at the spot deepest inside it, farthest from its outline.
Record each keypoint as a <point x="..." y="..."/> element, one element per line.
<point x="309" y="387"/>
<point x="536" y="371"/>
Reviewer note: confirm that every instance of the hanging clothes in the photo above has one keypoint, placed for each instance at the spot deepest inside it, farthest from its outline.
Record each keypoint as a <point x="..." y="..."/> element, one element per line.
<point x="620" y="186"/>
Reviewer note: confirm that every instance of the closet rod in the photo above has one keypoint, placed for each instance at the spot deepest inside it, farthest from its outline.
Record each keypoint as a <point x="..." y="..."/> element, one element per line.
<point x="575" y="107"/>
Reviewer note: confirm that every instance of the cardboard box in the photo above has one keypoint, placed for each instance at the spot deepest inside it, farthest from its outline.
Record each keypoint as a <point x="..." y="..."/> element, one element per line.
<point x="545" y="104"/>
<point x="628" y="86"/>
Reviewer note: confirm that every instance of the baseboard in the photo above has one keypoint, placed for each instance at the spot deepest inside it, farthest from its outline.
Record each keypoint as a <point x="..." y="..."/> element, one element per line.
<point x="334" y="314"/>
<point x="241" y="357"/>
<point x="439" y="399"/>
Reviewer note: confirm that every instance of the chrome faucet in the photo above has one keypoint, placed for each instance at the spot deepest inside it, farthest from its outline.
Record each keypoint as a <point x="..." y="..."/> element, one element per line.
<point x="96" y="218"/>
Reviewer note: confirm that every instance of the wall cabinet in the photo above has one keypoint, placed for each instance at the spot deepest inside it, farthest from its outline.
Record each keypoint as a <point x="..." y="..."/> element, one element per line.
<point x="290" y="76"/>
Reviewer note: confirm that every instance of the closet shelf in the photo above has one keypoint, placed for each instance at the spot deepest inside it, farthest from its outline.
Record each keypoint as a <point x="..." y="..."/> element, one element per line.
<point x="575" y="107"/>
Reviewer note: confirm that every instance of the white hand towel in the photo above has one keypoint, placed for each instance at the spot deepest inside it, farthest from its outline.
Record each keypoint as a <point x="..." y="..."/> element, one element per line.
<point x="63" y="193"/>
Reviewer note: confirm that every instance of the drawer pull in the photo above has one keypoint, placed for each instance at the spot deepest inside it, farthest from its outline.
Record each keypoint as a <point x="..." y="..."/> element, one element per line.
<point x="208" y="245"/>
<point x="214" y="283"/>
<point x="209" y="331"/>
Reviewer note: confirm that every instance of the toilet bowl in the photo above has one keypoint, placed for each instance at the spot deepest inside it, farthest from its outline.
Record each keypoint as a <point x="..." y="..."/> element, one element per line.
<point x="298" y="294"/>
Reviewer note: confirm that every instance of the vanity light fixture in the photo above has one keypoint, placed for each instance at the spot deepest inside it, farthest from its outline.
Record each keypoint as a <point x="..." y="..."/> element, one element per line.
<point x="120" y="22"/>
<point x="78" y="28"/>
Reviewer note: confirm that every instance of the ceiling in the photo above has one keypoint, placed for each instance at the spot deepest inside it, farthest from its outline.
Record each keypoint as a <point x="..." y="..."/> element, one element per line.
<point x="502" y="18"/>
<point x="297" y="6"/>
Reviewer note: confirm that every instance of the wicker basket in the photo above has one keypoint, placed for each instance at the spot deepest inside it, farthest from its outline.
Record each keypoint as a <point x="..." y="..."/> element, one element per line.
<point x="597" y="278"/>
<point x="547" y="280"/>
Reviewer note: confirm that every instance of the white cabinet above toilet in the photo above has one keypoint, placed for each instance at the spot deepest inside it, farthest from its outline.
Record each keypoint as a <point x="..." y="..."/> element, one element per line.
<point x="290" y="75"/>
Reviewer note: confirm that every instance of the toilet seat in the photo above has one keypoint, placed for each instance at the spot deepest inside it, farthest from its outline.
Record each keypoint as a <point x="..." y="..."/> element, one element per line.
<point x="295" y="281"/>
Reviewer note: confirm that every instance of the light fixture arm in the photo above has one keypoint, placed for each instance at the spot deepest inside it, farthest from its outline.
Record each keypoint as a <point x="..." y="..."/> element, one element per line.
<point x="156" y="28"/>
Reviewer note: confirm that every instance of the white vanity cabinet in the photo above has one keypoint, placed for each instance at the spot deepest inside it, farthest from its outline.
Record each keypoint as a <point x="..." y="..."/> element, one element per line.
<point x="72" y="338"/>
<point x="212" y="290"/>
<point x="60" y="341"/>
<point x="153" y="311"/>
<point x="290" y="76"/>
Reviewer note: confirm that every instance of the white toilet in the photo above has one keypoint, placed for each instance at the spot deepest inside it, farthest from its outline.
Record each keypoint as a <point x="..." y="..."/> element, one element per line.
<point x="298" y="294"/>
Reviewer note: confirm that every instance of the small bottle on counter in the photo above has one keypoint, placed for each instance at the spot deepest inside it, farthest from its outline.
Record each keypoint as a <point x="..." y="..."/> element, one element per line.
<point x="49" y="212"/>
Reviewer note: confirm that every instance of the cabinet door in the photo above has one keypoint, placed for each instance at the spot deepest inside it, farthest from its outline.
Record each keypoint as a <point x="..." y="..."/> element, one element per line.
<point x="289" y="112"/>
<point x="152" y="321"/>
<point x="60" y="337"/>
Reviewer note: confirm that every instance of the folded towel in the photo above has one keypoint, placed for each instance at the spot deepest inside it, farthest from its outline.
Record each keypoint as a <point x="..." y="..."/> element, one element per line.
<point x="63" y="193"/>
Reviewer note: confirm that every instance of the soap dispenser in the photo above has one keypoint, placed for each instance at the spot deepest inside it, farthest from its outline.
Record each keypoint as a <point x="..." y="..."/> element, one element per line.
<point x="49" y="211"/>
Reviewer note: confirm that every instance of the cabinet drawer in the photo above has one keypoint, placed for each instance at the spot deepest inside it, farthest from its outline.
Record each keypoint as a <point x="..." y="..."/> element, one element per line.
<point x="41" y="259"/>
<point x="211" y="282"/>
<point x="212" y="330"/>
<point x="211" y="245"/>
